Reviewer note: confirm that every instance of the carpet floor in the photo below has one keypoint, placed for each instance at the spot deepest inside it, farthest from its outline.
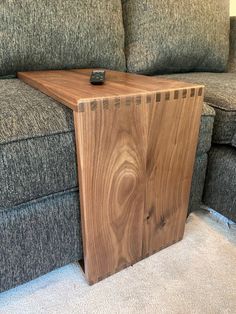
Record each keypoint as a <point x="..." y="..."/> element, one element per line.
<point x="196" y="275"/>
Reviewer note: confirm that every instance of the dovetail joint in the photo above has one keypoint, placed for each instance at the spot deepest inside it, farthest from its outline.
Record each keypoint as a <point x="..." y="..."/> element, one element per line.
<point x="93" y="105"/>
<point x="158" y="97"/>
<point x="167" y="96"/>
<point x="117" y="102"/>
<point x="81" y="107"/>
<point x="138" y="100"/>
<point x="192" y="92"/>
<point x="105" y="104"/>
<point x="200" y="91"/>
<point x="176" y="94"/>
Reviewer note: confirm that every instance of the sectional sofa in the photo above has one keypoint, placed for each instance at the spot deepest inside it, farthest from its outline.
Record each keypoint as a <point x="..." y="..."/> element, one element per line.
<point x="39" y="192"/>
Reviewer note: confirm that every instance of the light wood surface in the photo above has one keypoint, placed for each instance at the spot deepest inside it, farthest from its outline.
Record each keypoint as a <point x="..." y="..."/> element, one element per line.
<point x="172" y="136"/>
<point x="113" y="186"/>
<point x="136" y="139"/>
<point x="72" y="86"/>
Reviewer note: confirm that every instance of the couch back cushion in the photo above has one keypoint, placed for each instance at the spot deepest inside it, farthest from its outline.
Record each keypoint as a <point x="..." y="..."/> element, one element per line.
<point x="60" y="34"/>
<point x="168" y="36"/>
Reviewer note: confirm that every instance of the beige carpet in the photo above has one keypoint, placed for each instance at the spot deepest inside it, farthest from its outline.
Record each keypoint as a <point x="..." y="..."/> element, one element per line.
<point x="197" y="275"/>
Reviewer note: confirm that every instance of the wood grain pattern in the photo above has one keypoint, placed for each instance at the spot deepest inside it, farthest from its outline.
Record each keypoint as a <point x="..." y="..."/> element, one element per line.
<point x="112" y="148"/>
<point x="136" y="140"/>
<point x="172" y="136"/>
<point x="71" y="86"/>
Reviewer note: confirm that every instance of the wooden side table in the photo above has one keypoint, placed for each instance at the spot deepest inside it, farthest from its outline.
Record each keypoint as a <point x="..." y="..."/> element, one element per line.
<point x="136" y="140"/>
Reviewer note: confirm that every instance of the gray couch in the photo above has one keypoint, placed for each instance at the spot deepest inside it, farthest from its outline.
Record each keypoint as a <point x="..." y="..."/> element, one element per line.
<point x="39" y="200"/>
<point x="220" y="183"/>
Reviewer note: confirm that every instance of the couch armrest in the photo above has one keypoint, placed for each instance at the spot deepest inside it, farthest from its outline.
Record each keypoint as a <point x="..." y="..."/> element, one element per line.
<point x="232" y="54"/>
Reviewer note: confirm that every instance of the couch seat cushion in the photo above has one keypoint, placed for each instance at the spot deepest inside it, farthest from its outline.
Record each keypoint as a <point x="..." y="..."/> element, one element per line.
<point x="206" y="128"/>
<point x="221" y="94"/>
<point x="37" y="144"/>
<point x="37" y="150"/>
<point x="39" y="236"/>
<point x="220" y="185"/>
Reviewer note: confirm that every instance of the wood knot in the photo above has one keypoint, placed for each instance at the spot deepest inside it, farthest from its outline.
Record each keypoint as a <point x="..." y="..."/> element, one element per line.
<point x="162" y="222"/>
<point x="150" y="212"/>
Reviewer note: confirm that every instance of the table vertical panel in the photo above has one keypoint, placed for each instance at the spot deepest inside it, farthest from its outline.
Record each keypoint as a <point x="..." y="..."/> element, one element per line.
<point x="111" y="138"/>
<point x="174" y="121"/>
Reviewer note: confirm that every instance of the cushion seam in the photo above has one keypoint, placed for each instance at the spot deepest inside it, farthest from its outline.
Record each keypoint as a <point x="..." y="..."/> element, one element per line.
<point x="35" y="137"/>
<point x="41" y="198"/>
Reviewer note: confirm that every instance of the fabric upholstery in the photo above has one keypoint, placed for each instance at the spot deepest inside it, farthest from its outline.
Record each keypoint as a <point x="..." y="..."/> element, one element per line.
<point x="225" y="127"/>
<point x="27" y="113"/>
<point x="220" y="186"/>
<point x="232" y="55"/>
<point x="166" y="36"/>
<point x="234" y="141"/>
<point x="39" y="236"/>
<point x="37" y="144"/>
<point x="198" y="180"/>
<point x="58" y="34"/>
<point x="206" y="129"/>
<point x="220" y="93"/>
<point x="204" y="145"/>
<point x="36" y="167"/>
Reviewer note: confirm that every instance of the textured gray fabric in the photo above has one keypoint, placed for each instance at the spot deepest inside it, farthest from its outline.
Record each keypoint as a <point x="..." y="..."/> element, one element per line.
<point x="27" y="113"/>
<point x="232" y="55"/>
<point x="38" y="237"/>
<point x="220" y="186"/>
<point x="200" y="167"/>
<point x="207" y="110"/>
<point x="36" y="167"/>
<point x="198" y="180"/>
<point x="46" y="34"/>
<point x="166" y="36"/>
<point x="224" y="127"/>
<point x="37" y="146"/>
<point x="206" y="128"/>
<point x="234" y="141"/>
<point x="220" y="93"/>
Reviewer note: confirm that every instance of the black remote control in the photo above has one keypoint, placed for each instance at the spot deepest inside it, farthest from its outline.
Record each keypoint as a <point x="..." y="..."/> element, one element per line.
<point x="97" y="77"/>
